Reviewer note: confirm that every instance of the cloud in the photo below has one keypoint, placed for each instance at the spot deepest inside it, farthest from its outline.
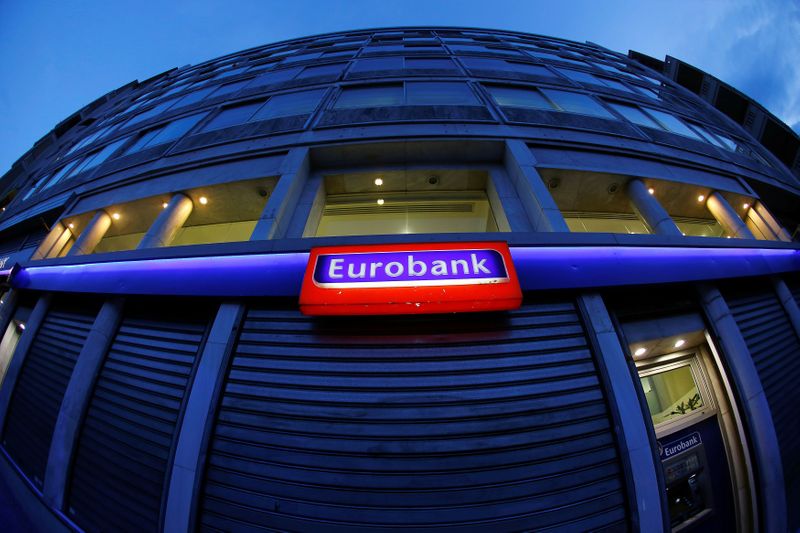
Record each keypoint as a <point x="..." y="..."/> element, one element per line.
<point x="758" y="46"/>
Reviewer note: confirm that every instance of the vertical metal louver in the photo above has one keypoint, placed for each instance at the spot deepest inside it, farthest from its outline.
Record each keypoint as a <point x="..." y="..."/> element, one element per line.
<point x="472" y="422"/>
<point x="127" y="436"/>
<point x="775" y="349"/>
<point x="42" y="382"/>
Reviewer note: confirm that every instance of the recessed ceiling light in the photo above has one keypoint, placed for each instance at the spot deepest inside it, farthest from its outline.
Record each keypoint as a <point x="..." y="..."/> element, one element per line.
<point x="701" y="198"/>
<point x="679" y="343"/>
<point x="21" y="325"/>
<point x="71" y="226"/>
<point x="378" y="181"/>
<point x="203" y="200"/>
<point x="115" y="216"/>
<point x="380" y="201"/>
<point x="745" y="205"/>
<point x="639" y="351"/>
<point x="164" y="205"/>
<point x="651" y="190"/>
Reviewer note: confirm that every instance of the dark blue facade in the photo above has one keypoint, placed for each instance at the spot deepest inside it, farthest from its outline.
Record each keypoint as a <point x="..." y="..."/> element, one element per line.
<point x="157" y="373"/>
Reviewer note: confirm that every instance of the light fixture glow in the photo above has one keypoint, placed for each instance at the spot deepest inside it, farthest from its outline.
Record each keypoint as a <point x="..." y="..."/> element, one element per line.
<point x="115" y="216"/>
<point x="701" y="198"/>
<point x="164" y="205"/>
<point x="639" y="351"/>
<point x="378" y="181"/>
<point x="71" y="226"/>
<point x="22" y="325"/>
<point x="203" y="200"/>
<point x="651" y="190"/>
<point x="380" y="201"/>
<point x="745" y="205"/>
<point x="679" y="343"/>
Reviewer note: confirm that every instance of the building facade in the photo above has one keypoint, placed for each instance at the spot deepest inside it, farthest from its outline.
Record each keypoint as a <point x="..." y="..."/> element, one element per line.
<point x="403" y="278"/>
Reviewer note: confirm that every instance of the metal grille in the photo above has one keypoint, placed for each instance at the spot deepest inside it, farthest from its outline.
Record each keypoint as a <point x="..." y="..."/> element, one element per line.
<point x="473" y="422"/>
<point x="775" y="349"/>
<point x="41" y="385"/>
<point x="127" y="437"/>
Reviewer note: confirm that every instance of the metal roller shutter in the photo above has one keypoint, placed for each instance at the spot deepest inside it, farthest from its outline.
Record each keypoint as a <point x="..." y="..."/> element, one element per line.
<point x="472" y="422"/>
<point x="775" y="349"/>
<point x="127" y="437"/>
<point x="41" y="384"/>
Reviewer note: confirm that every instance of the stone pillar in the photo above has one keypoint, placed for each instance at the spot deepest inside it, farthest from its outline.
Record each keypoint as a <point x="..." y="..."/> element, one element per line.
<point x="771" y="221"/>
<point x="187" y="468"/>
<point x="542" y="210"/>
<point x="91" y="236"/>
<point x="635" y="439"/>
<point x="647" y="207"/>
<point x="788" y="302"/>
<point x="169" y="221"/>
<point x="274" y="220"/>
<point x="753" y="405"/>
<point x="76" y="400"/>
<point x="727" y="217"/>
<point x="54" y="242"/>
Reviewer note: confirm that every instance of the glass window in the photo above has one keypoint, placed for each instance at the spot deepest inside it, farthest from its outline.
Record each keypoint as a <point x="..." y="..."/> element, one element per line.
<point x="275" y="76"/>
<point x="285" y="105"/>
<point x="485" y="63"/>
<point x="577" y="75"/>
<point x="405" y="203"/>
<point x="194" y="97"/>
<point x="150" y="113"/>
<point x="231" y="116"/>
<point x="301" y="57"/>
<point x="516" y="97"/>
<point x="439" y="93"/>
<point x="672" y="124"/>
<point x="63" y="171"/>
<point x="373" y="96"/>
<point x="384" y="48"/>
<point x="89" y="139"/>
<point x="322" y="70"/>
<point x="614" y="84"/>
<point x="671" y="394"/>
<point x="228" y="88"/>
<point x="378" y="63"/>
<point x="598" y="222"/>
<point x="577" y="103"/>
<point x="229" y="72"/>
<point x="339" y="53"/>
<point x="142" y="141"/>
<point x="175" y="129"/>
<point x="103" y="154"/>
<point x="429" y="63"/>
<point x="635" y="115"/>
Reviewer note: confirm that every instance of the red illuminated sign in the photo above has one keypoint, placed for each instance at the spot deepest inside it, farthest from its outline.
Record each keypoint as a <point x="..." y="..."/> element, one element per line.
<point x="394" y="279"/>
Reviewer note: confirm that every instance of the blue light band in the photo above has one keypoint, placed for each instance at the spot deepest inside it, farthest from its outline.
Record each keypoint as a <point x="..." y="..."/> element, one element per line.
<point x="281" y="274"/>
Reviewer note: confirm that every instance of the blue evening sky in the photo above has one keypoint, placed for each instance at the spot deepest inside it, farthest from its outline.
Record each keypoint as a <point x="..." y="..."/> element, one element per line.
<point x="59" y="55"/>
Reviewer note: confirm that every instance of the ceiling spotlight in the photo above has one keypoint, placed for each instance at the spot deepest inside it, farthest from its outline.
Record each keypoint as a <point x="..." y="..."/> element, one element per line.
<point x="22" y="325"/>
<point x="701" y="198"/>
<point x="679" y="343"/>
<point x="380" y="201"/>
<point x="639" y="351"/>
<point x="115" y="216"/>
<point x="651" y="190"/>
<point x="164" y="205"/>
<point x="378" y="181"/>
<point x="745" y="205"/>
<point x="71" y="225"/>
<point x="203" y="200"/>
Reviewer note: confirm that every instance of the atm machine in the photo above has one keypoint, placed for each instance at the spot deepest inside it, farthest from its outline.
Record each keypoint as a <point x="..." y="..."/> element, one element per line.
<point x="694" y="441"/>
